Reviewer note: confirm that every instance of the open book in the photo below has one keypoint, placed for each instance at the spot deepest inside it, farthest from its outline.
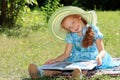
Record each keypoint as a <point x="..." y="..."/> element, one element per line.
<point x="86" y="65"/>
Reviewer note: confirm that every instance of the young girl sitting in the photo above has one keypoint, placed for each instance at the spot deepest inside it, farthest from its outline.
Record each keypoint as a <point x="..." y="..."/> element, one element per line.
<point x="84" y="41"/>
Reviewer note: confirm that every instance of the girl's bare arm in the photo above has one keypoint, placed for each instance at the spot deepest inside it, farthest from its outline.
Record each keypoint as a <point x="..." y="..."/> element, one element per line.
<point x="101" y="50"/>
<point x="63" y="56"/>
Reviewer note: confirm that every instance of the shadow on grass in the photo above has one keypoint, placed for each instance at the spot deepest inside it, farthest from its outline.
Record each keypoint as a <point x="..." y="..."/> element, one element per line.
<point x="42" y="78"/>
<point x="63" y="78"/>
<point x="97" y="77"/>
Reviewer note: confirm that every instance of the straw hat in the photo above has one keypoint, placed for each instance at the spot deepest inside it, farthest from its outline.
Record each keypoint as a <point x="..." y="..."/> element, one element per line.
<point x="56" y="18"/>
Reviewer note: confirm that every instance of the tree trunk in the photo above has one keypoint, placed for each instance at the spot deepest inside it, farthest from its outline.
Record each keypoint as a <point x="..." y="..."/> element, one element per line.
<point x="11" y="17"/>
<point x="3" y="12"/>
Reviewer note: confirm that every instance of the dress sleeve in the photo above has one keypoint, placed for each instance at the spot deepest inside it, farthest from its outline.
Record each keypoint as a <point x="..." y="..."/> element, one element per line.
<point x="69" y="38"/>
<point x="98" y="34"/>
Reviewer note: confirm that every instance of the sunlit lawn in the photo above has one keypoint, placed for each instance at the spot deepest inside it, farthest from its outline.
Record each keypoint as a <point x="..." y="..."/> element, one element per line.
<point x="17" y="53"/>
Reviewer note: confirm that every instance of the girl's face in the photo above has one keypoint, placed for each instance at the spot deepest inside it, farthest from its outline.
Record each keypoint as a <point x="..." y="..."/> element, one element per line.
<point x="73" y="24"/>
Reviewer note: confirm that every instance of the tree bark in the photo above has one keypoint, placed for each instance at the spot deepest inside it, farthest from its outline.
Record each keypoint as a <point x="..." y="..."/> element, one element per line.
<point x="3" y="12"/>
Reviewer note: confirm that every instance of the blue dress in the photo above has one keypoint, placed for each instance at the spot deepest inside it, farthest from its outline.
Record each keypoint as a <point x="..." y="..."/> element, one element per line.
<point x="80" y="53"/>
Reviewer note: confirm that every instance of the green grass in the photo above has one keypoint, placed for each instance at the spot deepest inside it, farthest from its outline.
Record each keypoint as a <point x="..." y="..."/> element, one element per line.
<point x="108" y="22"/>
<point x="17" y="53"/>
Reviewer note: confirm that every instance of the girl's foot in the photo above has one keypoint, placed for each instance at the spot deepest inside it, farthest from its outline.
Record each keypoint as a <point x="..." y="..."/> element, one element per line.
<point x="77" y="74"/>
<point x="33" y="71"/>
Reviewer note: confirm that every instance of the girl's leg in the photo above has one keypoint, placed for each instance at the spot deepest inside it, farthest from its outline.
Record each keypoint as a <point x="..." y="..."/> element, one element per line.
<point x="51" y="73"/>
<point x="78" y="73"/>
<point x="33" y="71"/>
<point x="84" y="72"/>
<point x="36" y="72"/>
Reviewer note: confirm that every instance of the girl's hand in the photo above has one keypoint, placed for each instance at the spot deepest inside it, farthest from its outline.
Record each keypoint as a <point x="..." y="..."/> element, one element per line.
<point x="51" y="61"/>
<point x="99" y="60"/>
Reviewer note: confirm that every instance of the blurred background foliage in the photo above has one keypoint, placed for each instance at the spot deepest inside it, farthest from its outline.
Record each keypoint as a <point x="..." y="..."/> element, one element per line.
<point x="10" y="9"/>
<point x="13" y="15"/>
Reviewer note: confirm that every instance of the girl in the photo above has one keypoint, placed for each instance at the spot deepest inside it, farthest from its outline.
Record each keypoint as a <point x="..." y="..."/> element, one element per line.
<point x="84" y="42"/>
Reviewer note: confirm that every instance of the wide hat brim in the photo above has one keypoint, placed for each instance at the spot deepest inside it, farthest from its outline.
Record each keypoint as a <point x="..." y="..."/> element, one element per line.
<point x="56" y="18"/>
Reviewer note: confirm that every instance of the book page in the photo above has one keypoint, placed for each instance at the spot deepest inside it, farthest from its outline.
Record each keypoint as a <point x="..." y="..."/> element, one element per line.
<point x="56" y="66"/>
<point x="87" y="65"/>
